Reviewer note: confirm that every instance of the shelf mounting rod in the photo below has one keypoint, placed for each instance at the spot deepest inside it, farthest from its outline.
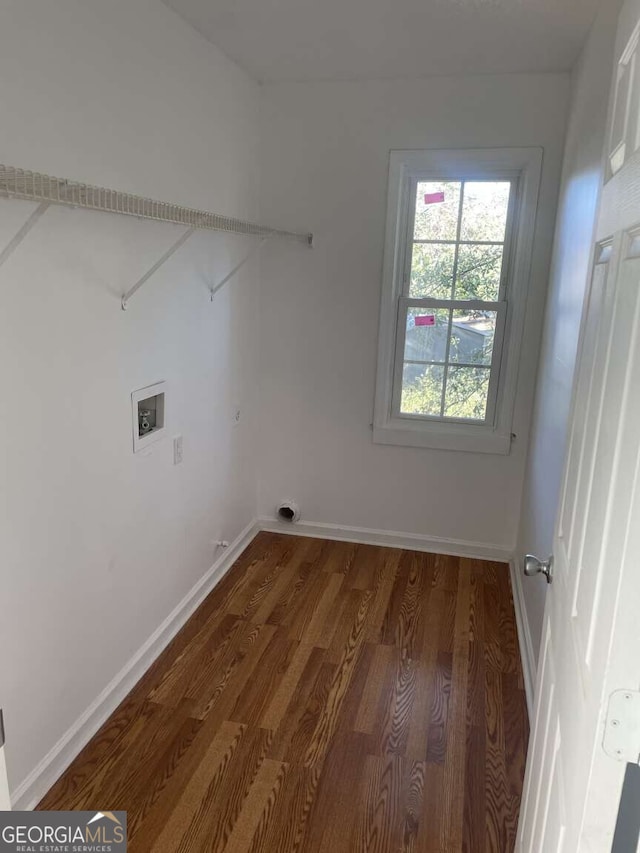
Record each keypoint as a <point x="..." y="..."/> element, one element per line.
<point x="248" y="256"/>
<point x="180" y="242"/>
<point x="15" y="241"/>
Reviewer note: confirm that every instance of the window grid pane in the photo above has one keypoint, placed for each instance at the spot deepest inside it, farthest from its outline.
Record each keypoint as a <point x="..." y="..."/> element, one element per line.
<point x="479" y="271"/>
<point x="478" y="244"/>
<point x="468" y="392"/>
<point x="433" y="270"/>
<point x="486" y="207"/>
<point x="448" y="383"/>
<point x="437" y="210"/>
<point x="449" y="349"/>
<point x="422" y="390"/>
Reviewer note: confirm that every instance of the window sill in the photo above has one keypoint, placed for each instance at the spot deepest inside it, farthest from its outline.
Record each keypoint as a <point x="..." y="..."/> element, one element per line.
<point x="461" y="438"/>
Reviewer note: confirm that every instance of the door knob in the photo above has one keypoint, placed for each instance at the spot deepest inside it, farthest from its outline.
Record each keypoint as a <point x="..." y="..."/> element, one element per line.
<point x="534" y="566"/>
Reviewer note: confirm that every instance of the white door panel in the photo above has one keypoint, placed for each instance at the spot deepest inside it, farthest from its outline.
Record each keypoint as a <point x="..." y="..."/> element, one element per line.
<point x="575" y="472"/>
<point x="539" y="752"/>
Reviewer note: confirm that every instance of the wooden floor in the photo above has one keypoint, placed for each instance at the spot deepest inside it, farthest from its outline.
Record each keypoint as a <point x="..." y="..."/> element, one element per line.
<point x="325" y="697"/>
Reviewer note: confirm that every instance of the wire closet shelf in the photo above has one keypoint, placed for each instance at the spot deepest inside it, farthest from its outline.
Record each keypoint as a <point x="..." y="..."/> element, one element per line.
<point x="46" y="190"/>
<point x="35" y="186"/>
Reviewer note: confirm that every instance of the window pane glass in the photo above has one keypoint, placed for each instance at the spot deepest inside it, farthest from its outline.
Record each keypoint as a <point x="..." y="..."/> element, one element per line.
<point x="437" y="210"/>
<point x="426" y="337"/>
<point x="484" y="211"/>
<point x="472" y="335"/>
<point x="467" y="392"/>
<point x="432" y="270"/>
<point x="479" y="272"/>
<point x="422" y="389"/>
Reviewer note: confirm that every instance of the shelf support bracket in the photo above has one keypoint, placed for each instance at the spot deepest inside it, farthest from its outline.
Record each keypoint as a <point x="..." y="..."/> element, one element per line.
<point x="15" y="241"/>
<point x="213" y="290"/>
<point x="180" y="242"/>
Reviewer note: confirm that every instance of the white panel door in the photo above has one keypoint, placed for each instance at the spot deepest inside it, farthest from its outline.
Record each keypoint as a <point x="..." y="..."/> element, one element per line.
<point x="591" y="636"/>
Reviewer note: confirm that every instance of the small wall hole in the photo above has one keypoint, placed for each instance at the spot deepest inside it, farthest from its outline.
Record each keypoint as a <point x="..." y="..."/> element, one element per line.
<point x="288" y="511"/>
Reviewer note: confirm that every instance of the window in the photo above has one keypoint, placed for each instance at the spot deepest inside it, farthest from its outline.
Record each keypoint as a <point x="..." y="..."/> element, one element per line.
<point x="457" y="257"/>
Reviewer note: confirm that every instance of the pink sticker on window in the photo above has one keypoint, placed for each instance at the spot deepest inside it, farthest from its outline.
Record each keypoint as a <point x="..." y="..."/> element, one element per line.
<point x="434" y="198"/>
<point x="425" y="320"/>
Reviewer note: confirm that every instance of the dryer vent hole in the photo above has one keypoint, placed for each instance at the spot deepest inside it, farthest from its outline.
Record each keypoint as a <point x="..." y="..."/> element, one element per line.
<point x="288" y="511"/>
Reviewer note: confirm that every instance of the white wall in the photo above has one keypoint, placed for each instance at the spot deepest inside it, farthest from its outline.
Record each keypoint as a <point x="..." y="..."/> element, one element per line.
<point x="325" y="163"/>
<point x="581" y="182"/>
<point x="98" y="546"/>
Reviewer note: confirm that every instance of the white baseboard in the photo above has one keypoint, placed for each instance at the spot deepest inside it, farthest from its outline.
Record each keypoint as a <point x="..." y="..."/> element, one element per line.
<point x="38" y="782"/>
<point x="389" y="539"/>
<point x="527" y="652"/>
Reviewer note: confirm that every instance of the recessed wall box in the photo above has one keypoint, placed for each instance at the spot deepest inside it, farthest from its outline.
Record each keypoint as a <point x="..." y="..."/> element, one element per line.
<point x="148" y="413"/>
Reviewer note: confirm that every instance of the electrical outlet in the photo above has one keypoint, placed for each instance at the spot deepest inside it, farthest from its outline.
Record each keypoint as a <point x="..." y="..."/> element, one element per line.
<point x="177" y="449"/>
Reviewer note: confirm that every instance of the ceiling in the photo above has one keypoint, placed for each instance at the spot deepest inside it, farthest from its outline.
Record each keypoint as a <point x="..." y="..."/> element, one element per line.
<point x="277" y="40"/>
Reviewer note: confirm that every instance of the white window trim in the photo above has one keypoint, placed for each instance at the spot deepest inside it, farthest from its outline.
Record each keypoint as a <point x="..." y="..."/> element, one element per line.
<point x="522" y="164"/>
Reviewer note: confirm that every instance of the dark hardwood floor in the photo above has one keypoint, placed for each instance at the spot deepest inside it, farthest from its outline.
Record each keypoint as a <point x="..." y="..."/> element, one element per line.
<point x="325" y="697"/>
